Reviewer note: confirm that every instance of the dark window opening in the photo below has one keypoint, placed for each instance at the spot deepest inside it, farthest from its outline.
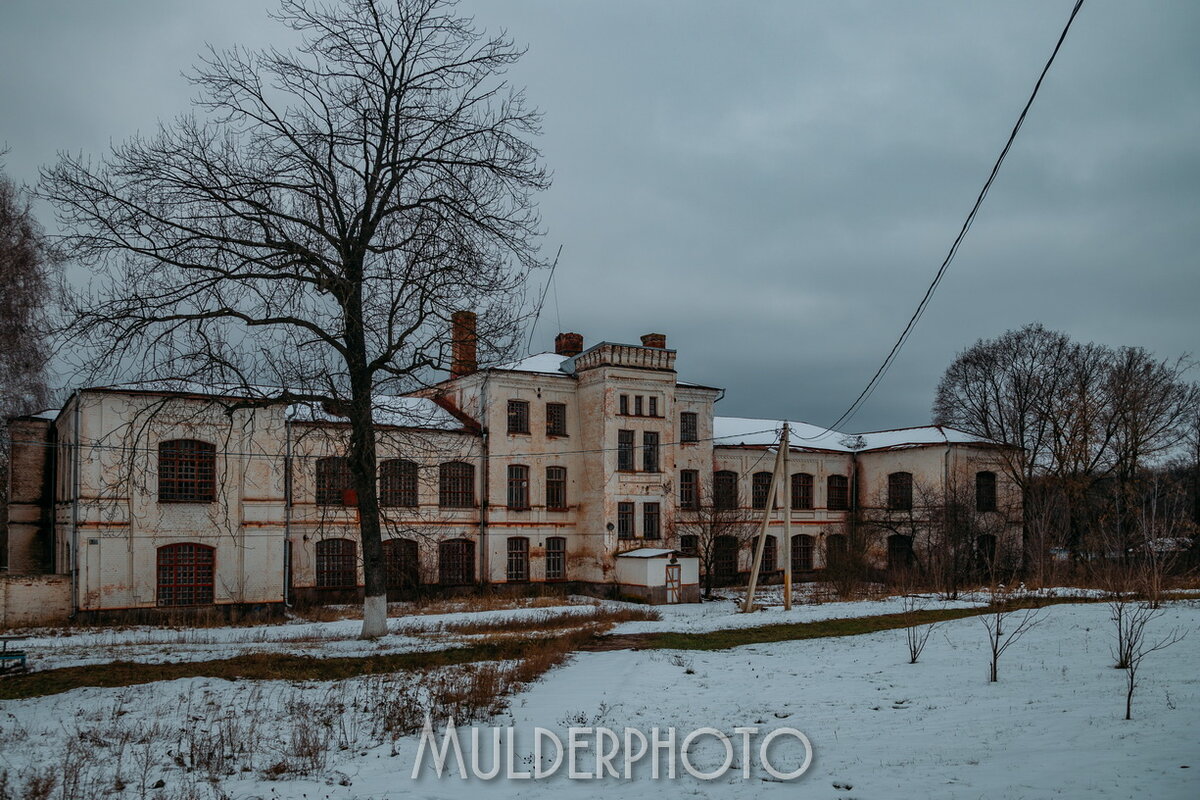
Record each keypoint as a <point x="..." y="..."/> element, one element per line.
<point x="689" y="544"/>
<point x="625" y="451"/>
<point x="725" y="558"/>
<point x="335" y="486"/>
<point x="900" y="552"/>
<point x="650" y="451"/>
<point x="556" y="558"/>
<point x="802" y="491"/>
<point x="637" y="405"/>
<point x="653" y="406"/>
<point x="837" y="489"/>
<point x="556" y="419"/>
<point x="398" y="483"/>
<point x="518" y="487"/>
<point x="836" y="551"/>
<point x="688" y="428"/>
<point x="518" y="416"/>
<point x="456" y="562"/>
<point x="725" y="489"/>
<point x="185" y="574"/>
<point x="760" y="488"/>
<point x="624" y="520"/>
<point x="401" y="566"/>
<point x="187" y="471"/>
<point x="623" y="404"/>
<point x="456" y="485"/>
<point x="689" y="489"/>
<point x="770" y="557"/>
<point x="556" y="488"/>
<point x="802" y="552"/>
<point x="651" y="521"/>
<point x="337" y="564"/>
<point x="985" y="491"/>
<point x="900" y="491"/>
<point x="518" y="559"/>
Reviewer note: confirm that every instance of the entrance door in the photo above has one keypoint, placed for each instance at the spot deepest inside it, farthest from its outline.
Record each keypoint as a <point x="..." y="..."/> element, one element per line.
<point x="674" y="583"/>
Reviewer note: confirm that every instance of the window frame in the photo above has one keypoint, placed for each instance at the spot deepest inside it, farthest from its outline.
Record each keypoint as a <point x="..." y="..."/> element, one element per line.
<point x="803" y="491"/>
<point x="401" y="563"/>
<point x="651" y="451"/>
<point x="556" y="419"/>
<point x="689" y="427"/>
<point x="456" y="490"/>
<point x="187" y="471"/>
<point x="626" y="520"/>
<point x="652" y="521"/>
<point x="652" y="406"/>
<point x="725" y="490"/>
<point x="689" y="489"/>
<point x="841" y="494"/>
<point x="518" y="417"/>
<point x="336" y="570"/>
<point x="556" y="558"/>
<point x="456" y="562"/>
<point x="192" y="560"/>
<point x="804" y="551"/>
<point x="399" y="483"/>
<point x="556" y="488"/>
<point x="900" y="491"/>
<point x="517" y="562"/>
<point x="518" y="487"/>
<point x="334" y="485"/>
<point x="986" y="499"/>
<point x="760" y="490"/>
<point x="626" y="444"/>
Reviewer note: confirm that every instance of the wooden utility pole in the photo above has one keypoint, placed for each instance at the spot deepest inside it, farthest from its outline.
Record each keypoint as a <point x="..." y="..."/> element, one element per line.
<point x="748" y="604"/>
<point x="785" y="476"/>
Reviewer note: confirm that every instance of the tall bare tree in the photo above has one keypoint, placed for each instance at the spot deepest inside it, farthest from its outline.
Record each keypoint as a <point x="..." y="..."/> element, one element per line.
<point x="716" y="527"/>
<point x="316" y="221"/>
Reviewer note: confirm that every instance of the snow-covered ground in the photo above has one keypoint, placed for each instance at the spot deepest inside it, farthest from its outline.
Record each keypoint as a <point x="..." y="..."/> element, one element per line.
<point x="880" y="727"/>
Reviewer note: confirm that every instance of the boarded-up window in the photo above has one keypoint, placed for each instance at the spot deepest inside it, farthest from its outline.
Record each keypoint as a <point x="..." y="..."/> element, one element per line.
<point x="900" y="491"/>
<point x="651" y="521"/>
<point x="837" y="489"/>
<point x="760" y="487"/>
<point x="688" y="431"/>
<point x="337" y="564"/>
<point x="518" y="558"/>
<point x="624" y="520"/>
<point x="802" y="491"/>
<point x="185" y="574"/>
<point x="689" y="488"/>
<point x="456" y="485"/>
<point x="725" y="489"/>
<point x="400" y="564"/>
<point x="556" y="558"/>
<point x="625" y="451"/>
<point x="802" y="552"/>
<point x="556" y="488"/>
<point x="556" y="419"/>
<point x="518" y="487"/>
<point x="335" y="487"/>
<point x="398" y="483"/>
<point x="518" y="416"/>
<point x="186" y="471"/>
<point x="456" y="562"/>
<point x="985" y="491"/>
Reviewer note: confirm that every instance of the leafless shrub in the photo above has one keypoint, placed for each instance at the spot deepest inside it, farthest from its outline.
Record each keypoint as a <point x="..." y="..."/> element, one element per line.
<point x="915" y="636"/>
<point x="31" y="784"/>
<point x="1133" y="646"/>
<point x="1005" y="625"/>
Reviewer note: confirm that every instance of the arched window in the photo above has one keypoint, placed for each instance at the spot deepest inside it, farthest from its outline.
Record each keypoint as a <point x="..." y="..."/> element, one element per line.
<point x="770" y="557"/>
<point x="401" y="564"/>
<point x="802" y="491"/>
<point x="518" y="487"/>
<point x="760" y="487"/>
<point x="900" y="491"/>
<point x="185" y="574"/>
<point x="725" y="558"/>
<point x="802" y="552"/>
<point x="556" y="558"/>
<point x="518" y="559"/>
<point x="836" y="552"/>
<point x="900" y="551"/>
<point x="398" y="483"/>
<point x="837" y="493"/>
<point x="335" y="487"/>
<point x="337" y="564"/>
<point x="187" y="471"/>
<point x="456" y="485"/>
<point x="985" y="491"/>
<point x="456" y="562"/>
<point x="725" y="489"/>
<point x="985" y="552"/>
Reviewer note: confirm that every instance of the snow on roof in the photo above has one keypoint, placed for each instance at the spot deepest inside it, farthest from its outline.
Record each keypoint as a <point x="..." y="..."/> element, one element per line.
<point x="550" y="363"/>
<point x="49" y="413"/>
<point x="734" y="431"/>
<point x="647" y="552"/>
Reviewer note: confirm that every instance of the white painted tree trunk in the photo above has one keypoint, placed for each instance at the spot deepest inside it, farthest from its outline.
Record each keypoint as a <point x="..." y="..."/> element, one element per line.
<point x="374" y="617"/>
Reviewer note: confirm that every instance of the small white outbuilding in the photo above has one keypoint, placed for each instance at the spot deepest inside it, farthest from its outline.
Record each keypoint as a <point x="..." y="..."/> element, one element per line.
<point x="659" y="575"/>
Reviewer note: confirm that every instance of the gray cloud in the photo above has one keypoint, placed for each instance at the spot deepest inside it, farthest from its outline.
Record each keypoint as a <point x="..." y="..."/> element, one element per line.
<point x="773" y="184"/>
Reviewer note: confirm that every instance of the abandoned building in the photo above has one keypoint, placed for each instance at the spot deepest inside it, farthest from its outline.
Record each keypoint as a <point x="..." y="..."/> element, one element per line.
<point x="550" y="469"/>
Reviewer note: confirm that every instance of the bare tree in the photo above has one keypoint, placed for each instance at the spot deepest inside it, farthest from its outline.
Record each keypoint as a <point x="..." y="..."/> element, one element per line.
<point x="713" y="530"/>
<point x="1132" y="645"/>
<point x="1005" y="625"/>
<point x="916" y="636"/>
<point x="317" y="222"/>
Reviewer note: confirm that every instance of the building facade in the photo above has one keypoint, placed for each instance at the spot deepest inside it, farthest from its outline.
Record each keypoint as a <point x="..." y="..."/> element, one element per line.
<point x="539" y="471"/>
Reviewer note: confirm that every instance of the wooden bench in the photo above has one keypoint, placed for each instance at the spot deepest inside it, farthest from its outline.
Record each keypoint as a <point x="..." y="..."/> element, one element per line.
<point x="12" y="660"/>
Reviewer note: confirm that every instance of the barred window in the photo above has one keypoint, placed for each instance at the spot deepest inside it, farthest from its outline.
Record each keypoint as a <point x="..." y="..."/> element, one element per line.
<point x="650" y="451"/>
<point x="802" y="491"/>
<point x="725" y="557"/>
<point x="688" y="428"/>
<point x="335" y="487"/>
<point x="725" y="489"/>
<point x="837" y="489"/>
<point x="518" y="416"/>
<point x="625" y="451"/>
<point x="556" y="558"/>
<point x="401" y="565"/>
<point x="456" y="562"/>
<point x="802" y="552"/>
<point x="186" y="471"/>
<point x="556" y="419"/>
<point x="651" y="521"/>
<point x="760" y="488"/>
<point x="900" y="491"/>
<point x="689" y="489"/>
<point x="770" y="555"/>
<point x="836" y="550"/>
<point x="556" y="488"/>
<point x="518" y="558"/>
<point x="398" y="483"/>
<point x="337" y="564"/>
<point x="518" y="487"/>
<point x="624" y="520"/>
<point x="985" y="491"/>
<point x="689" y="544"/>
<point x="456" y="485"/>
<point x="185" y="574"/>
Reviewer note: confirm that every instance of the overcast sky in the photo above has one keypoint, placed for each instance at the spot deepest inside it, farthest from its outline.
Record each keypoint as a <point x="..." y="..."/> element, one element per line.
<point x="773" y="184"/>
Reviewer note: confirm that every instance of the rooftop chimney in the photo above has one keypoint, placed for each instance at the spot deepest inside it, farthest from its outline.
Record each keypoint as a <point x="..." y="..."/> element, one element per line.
<point x="568" y="344"/>
<point x="462" y="343"/>
<point x="658" y="340"/>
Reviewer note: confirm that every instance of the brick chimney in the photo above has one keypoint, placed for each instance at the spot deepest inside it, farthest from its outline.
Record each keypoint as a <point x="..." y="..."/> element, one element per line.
<point x="658" y="340"/>
<point x="568" y="344"/>
<point x="462" y="343"/>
